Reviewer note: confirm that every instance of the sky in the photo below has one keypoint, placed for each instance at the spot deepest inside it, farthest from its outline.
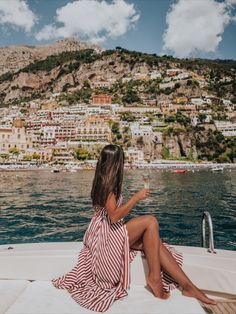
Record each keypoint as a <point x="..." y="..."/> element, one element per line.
<point x="182" y="28"/>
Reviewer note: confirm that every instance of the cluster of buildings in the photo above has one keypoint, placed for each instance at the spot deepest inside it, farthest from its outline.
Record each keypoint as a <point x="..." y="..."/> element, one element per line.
<point x="48" y="132"/>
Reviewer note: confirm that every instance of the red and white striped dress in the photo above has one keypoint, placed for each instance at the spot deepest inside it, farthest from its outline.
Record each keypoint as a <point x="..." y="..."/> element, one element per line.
<point x="102" y="273"/>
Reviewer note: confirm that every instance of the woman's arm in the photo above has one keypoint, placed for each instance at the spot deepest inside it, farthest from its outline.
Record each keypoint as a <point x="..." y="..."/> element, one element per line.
<point x="116" y="213"/>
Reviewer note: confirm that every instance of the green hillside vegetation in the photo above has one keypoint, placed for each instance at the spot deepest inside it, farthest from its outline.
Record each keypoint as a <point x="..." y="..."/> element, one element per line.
<point x="78" y="57"/>
<point x="89" y="55"/>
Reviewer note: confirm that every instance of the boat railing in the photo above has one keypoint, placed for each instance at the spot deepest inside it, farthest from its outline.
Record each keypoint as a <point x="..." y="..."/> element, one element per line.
<point x="206" y="217"/>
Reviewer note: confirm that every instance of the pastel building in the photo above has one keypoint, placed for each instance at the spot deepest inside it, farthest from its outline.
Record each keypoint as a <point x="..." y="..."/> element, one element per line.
<point x="134" y="155"/>
<point x="173" y="72"/>
<point x="167" y="85"/>
<point x="181" y="100"/>
<point x="51" y="134"/>
<point x="101" y="99"/>
<point x="155" y="75"/>
<point x="197" y="101"/>
<point x="138" y="130"/>
<point x="14" y="137"/>
<point x="62" y="154"/>
<point x="227" y="128"/>
<point x="48" y="135"/>
<point x="92" y="129"/>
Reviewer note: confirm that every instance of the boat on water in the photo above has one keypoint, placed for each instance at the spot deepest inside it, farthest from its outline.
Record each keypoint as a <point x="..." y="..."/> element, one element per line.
<point x="72" y="170"/>
<point x="180" y="170"/>
<point x="219" y="168"/>
<point x="55" y="170"/>
<point x="88" y="168"/>
<point x="27" y="269"/>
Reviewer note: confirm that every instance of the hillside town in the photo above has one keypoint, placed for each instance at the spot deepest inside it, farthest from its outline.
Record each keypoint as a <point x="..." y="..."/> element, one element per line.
<point x="157" y="111"/>
<point x="47" y="132"/>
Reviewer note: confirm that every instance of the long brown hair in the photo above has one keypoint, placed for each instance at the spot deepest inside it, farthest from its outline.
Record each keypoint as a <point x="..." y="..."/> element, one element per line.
<point x="108" y="175"/>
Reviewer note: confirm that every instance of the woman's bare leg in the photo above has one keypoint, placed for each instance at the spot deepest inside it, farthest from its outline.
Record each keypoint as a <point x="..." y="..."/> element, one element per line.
<point x="145" y="228"/>
<point x="172" y="268"/>
<point x="136" y="229"/>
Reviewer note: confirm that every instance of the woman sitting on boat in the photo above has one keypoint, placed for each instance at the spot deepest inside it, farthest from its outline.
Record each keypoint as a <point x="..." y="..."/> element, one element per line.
<point x="102" y="273"/>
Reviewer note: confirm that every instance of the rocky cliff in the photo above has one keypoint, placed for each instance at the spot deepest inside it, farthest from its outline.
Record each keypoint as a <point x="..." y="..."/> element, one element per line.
<point x="14" y="58"/>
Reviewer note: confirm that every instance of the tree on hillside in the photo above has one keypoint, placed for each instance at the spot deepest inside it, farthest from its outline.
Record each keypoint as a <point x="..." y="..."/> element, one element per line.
<point x="81" y="153"/>
<point x="202" y="117"/>
<point x="182" y="119"/>
<point x="14" y="151"/>
<point x="130" y="97"/>
<point x="127" y="116"/>
<point x="169" y="119"/>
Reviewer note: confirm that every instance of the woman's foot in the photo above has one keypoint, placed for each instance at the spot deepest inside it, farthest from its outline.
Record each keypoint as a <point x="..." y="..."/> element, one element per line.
<point x="156" y="287"/>
<point x="193" y="291"/>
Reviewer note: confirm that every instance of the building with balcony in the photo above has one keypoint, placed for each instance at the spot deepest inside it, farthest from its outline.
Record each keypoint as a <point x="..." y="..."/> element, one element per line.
<point x="94" y="128"/>
<point x="227" y="128"/>
<point x="138" y="130"/>
<point x="62" y="154"/>
<point x="134" y="155"/>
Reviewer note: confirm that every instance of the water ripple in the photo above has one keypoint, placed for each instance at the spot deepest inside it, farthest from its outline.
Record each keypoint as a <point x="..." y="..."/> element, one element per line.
<point x="49" y="207"/>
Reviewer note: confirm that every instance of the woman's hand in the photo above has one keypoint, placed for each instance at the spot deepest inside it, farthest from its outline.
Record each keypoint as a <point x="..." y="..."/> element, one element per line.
<point x="142" y="194"/>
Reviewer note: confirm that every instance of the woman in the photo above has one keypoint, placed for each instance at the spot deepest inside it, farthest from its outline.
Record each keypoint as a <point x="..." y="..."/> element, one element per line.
<point x="102" y="273"/>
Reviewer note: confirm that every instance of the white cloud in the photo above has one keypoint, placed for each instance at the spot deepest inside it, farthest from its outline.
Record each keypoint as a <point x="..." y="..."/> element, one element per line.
<point x="196" y="26"/>
<point x="17" y="13"/>
<point x="91" y="20"/>
<point x="231" y="2"/>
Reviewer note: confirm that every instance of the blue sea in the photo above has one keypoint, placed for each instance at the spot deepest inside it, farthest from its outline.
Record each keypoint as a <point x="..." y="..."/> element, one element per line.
<point x="41" y="206"/>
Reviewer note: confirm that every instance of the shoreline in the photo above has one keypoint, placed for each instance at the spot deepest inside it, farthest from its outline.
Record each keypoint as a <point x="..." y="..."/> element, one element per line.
<point x="166" y="165"/>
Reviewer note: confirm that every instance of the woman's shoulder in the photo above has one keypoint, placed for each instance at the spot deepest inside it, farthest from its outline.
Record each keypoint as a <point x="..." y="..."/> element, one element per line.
<point x="118" y="203"/>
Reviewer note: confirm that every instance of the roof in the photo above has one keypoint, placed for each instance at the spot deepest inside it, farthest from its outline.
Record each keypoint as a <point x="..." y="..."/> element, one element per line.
<point x="6" y="130"/>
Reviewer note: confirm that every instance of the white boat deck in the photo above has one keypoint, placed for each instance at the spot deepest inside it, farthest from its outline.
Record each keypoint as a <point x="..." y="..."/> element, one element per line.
<point x="41" y="297"/>
<point x="26" y="271"/>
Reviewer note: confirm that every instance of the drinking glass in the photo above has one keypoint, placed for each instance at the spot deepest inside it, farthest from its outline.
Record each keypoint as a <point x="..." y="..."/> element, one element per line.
<point x="146" y="181"/>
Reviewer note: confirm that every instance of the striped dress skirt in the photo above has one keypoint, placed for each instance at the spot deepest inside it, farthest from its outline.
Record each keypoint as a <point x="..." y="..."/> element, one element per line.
<point x="102" y="272"/>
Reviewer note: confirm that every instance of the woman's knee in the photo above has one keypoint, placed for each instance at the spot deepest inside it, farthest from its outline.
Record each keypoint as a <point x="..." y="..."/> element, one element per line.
<point x="151" y="221"/>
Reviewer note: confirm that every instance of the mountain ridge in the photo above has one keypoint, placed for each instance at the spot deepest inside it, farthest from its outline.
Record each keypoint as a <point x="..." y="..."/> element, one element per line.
<point x="15" y="57"/>
<point x="70" y="63"/>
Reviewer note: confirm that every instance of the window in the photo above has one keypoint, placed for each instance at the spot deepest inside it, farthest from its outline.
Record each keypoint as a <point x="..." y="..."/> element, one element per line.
<point x="18" y="130"/>
<point x="18" y="136"/>
<point x="9" y="145"/>
<point x="8" y="136"/>
<point x="3" y="135"/>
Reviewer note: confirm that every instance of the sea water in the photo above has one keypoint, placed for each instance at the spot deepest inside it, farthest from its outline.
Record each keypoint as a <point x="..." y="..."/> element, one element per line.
<point x="41" y="206"/>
